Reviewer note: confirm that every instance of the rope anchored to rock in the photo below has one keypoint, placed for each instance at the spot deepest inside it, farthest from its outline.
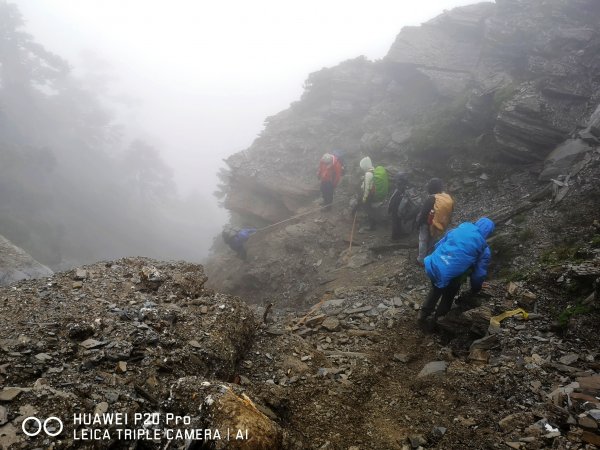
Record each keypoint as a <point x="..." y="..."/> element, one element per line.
<point x="289" y="219"/>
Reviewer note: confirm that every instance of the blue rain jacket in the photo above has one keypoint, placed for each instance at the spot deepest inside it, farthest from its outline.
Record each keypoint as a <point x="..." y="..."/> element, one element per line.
<point x="241" y="238"/>
<point x="461" y="249"/>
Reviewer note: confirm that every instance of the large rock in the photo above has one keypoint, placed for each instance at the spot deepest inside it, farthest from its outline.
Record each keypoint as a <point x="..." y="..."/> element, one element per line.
<point x="525" y="130"/>
<point x="446" y="49"/>
<point x="475" y="321"/>
<point x="433" y="368"/>
<point x="563" y="157"/>
<point x="594" y="123"/>
<point x="226" y="408"/>
<point x="451" y="42"/>
<point x="16" y="264"/>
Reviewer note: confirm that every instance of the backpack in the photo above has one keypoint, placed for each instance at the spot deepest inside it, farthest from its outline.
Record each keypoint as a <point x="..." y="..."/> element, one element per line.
<point x="326" y="171"/>
<point x="407" y="209"/>
<point x="442" y="214"/>
<point x="339" y="154"/>
<point x="229" y="234"/>
<point x="381" y="183"/>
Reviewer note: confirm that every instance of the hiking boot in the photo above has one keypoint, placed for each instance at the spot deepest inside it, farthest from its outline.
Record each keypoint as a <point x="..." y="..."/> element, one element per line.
<point x="427" y="325"/>
<point x="422" y="316"/>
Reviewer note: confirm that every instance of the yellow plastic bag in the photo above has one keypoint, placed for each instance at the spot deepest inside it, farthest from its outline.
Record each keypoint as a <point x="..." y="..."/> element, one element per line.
<point x="495" y="321"/>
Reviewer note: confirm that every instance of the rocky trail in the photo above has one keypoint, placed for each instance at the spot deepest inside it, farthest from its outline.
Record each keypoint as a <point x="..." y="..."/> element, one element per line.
<point x="352" y="371"/>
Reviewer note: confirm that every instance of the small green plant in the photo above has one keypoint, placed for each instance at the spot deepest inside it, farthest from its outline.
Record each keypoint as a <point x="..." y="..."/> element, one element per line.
<point x="519" y="219"/>
<point x="443" y="131"/>
<point x="595" y="242"/>
<point x="503" y="249"/>
<point x="526" y="234"/>
<point x="509" y="274"/>
<point x="572" y="311"/>
<point x="504" y="94"/>
<point x="560" y="254"/>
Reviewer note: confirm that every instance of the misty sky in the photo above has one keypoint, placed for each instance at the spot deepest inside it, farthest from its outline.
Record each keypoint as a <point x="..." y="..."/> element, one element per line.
<point x="200" y="77"/>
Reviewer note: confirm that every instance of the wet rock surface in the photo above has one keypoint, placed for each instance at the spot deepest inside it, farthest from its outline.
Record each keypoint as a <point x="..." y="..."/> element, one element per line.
<point x="511" y="78"/>
<point x="16" y="264"/>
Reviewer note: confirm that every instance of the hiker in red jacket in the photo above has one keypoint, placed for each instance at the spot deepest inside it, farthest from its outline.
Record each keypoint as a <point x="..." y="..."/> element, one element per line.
<point x="330" y="174"/>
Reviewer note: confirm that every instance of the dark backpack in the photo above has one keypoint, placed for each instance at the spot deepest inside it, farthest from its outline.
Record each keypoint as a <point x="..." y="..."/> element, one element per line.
<point x="229" y="234"/>
<point x="339" y="154"/>
<point x="407" y="208"/>
<point x="407" y="213"/>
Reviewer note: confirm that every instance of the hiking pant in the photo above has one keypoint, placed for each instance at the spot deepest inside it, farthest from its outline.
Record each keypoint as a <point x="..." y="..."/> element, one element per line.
<point x="327" y="191"/>
<point x="238" y="247"/>
<point x="425" y="242"/>
<point x="447" y="294"/>
<point x="371" y="213"/>
<point x="397" y="230"/>
<point x="241" y="252"/>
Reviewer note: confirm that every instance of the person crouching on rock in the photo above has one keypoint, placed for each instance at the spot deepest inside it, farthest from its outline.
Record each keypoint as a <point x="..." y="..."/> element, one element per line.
<point x="330" y="173"/>
<point x="434" y="218"/>
<point x="462" y="252"/>
<point x="236" y="238"/>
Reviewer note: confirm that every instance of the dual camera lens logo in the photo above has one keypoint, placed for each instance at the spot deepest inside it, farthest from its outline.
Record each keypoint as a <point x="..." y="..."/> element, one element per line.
<point x="50" y="431"/>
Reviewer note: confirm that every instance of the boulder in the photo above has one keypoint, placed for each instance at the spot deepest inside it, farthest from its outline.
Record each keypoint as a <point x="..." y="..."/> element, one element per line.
<point x="594" y="123"/>
<point x="560" y="160"/>
<point x="433" y="368"/>
<point x="226" y="408"/>
<point x="524" y="129"/>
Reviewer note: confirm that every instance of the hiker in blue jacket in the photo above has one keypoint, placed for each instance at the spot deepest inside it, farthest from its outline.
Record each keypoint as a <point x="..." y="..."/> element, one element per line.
<point x="236" y="238"/>
<point x="460" y="253"/>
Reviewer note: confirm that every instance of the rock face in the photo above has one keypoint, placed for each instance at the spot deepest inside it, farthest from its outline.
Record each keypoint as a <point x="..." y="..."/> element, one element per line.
<point x="16" y="264"/>
<point x="520" y="72"/>
<point x="513" y="82"/>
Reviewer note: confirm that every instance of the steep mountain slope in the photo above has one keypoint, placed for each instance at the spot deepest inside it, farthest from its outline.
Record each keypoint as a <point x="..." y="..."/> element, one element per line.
<point x="16" y="264"/>
<point x="495" y="98"/>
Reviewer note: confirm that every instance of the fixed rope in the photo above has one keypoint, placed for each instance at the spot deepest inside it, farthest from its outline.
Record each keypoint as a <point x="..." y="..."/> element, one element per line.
<point x="297" y="216"/>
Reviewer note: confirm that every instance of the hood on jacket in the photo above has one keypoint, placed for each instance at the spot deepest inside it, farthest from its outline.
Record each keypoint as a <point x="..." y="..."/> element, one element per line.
<point x="486" y="227"/>
<point x="366" y="164"/>
<point x="327" y="159"/>
<point x="435" y="186"/>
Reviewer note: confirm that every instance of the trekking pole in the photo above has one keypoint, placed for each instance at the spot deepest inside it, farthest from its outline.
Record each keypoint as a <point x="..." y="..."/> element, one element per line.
<point x="352" y="233"/>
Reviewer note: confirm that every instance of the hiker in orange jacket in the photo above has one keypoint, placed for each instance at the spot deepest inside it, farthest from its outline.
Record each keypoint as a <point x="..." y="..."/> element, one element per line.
<point x="330" y="174"/>
<point x="434" y="218"/>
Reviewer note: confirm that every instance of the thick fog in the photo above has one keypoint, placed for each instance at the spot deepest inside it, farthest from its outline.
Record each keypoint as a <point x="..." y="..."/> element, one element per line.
<point x="180" y="85"/>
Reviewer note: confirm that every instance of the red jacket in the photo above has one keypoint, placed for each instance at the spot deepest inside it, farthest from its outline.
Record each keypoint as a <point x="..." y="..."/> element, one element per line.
<point x="330" y="172"/>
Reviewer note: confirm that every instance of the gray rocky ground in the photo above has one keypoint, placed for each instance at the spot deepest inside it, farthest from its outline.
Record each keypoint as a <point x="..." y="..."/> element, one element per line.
<point x="352" y="371"/>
